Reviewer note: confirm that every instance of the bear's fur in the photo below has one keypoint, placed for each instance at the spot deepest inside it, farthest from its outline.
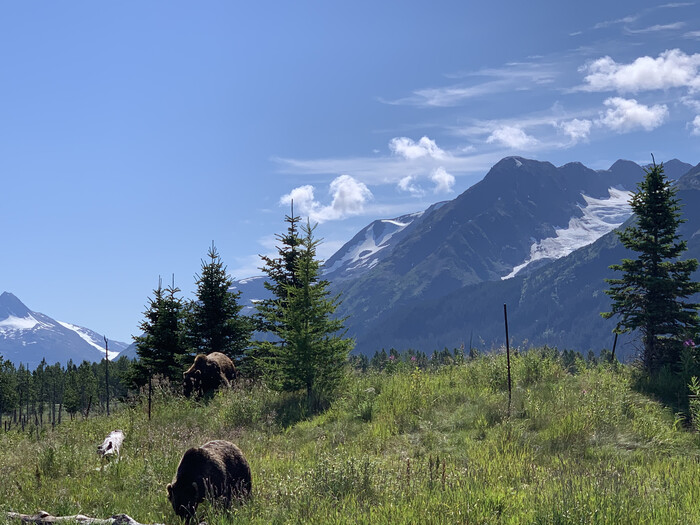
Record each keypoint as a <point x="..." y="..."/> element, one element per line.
<point x="208" y="373"/>
<point x="216" y="471"/>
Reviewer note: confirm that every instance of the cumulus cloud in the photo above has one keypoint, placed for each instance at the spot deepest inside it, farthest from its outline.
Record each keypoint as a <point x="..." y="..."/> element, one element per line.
<point x="672" y="68"/>
<point x="576" y="129"/>
<point x="412" y="150"/>
<point x="444" y="182"/>
<point x="408" y="184"/>
<point x="695" y="125"/>
<point x="348" y="198"/>
<point x="302" y="197"/>
<point x="512" y="137"/>
<point x="625" y="115"/>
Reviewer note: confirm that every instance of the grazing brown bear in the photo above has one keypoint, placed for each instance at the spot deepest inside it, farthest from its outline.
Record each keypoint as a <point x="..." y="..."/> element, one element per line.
<point x="216" y="471"/>
<point x="207" y="373"/>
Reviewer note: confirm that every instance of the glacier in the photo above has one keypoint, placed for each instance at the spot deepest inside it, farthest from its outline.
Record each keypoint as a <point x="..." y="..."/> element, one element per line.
<point x="600" y="216"/>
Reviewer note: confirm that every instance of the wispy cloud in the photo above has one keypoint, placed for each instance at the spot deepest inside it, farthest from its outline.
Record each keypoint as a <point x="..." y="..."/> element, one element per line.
<point x="656" y="28"/>
<point x="630" y="19"/>
<point x="515" y="75"/>
<point x="624" y="115"/>
<point x="624" y="20"/>
<point x="672" y="68"/>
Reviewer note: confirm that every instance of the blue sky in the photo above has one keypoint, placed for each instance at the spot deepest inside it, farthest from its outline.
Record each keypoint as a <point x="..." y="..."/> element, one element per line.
<point x="133" y="134"/>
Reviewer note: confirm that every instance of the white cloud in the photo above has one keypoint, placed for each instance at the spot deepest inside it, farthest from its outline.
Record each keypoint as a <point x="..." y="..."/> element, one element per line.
<point x="302" y="198"/>
<point x="696" y="125"/>
<point x="576" y="129"/>
<point x="672" y="68"/>
<point x="408" y="184"/>
<point x="444" y="182"/>
<point x="692" y="34"/>
<point x="512" y="137"/>
<point x="412" y="150"/>
<point x="691" y="103"/>
<point x="625" y="115"/>
<point x="658" y="27"/>
<point x="349" y="198"/>
<point x="626" y="20"/>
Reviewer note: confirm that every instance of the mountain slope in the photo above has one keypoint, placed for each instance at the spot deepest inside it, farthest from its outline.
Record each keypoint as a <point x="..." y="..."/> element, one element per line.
<point x="27" y="337"/>
<point x="558" y="304"/>
<point x="490" y="231"/>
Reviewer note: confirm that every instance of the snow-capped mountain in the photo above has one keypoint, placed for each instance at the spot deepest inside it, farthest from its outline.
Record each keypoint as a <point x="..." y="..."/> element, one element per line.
<point x="28" y="337"/>
<point x="371" y="245"/>
<point x="252" y="291"/>
<point x="557" y="304"/>
<point x="524" y="215"/>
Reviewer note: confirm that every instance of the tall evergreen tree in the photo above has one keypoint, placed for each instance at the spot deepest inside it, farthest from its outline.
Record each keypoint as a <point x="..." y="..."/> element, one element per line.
<point x="214" y="321"/>
<point x="312" y="354"/>
<point x="160" y="347"/>
<point x="281" y="276"/>
<point x="8" y="386"/>
<point x="651" y="295"/>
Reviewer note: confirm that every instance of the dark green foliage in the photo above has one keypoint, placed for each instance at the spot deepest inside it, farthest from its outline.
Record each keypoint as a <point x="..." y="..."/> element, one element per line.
<point x="651" y="296"/>
<point x="281" y="275"/>
<point x="310" y="351"/>
<point x="214" y="322"/>
<point x="8" y="386"/>
<point x="160" y="347"/>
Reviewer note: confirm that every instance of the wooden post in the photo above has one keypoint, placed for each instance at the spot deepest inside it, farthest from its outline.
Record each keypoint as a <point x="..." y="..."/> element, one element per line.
<point x="107" y="371"/>
<point x="612" y="356"/>
<point x="510" y="394"/>
<point x="150" y="390"/>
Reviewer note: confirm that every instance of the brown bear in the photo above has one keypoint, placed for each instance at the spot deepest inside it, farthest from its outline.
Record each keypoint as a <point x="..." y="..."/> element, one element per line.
<point x="216" y="471"/>
<point x="207" y="373"/>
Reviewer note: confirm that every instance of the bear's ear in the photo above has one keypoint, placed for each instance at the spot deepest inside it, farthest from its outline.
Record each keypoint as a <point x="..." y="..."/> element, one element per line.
<point x="169" y="488"/>
<point x="196" y="490"/>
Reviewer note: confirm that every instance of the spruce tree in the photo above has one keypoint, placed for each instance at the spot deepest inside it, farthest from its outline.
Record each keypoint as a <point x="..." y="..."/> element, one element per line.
<point x="651" y="295"/>
<point x="214" y="320"/>
<point x="312" y="352"/>
<point x="160" y="347"/>
<point x="281" y="276"/>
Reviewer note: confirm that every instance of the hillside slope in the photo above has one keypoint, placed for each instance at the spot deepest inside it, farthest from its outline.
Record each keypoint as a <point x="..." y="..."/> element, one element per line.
<point x="558" y="304"/>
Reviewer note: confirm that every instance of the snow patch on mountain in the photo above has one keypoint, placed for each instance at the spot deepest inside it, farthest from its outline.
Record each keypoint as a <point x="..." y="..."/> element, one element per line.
<point x="600" y="216"/>
<point x="363" y="250"/>
<point x="15" y="324"/>
<point x="88" y="336"/>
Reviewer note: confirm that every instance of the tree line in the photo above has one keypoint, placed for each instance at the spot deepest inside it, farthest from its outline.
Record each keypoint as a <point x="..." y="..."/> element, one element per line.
<point x="47" y="394"/>
<point x="293" y="341"/>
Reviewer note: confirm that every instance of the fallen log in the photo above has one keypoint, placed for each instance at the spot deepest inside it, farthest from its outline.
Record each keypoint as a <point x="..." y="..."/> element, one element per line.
<point x="43" y="517"/>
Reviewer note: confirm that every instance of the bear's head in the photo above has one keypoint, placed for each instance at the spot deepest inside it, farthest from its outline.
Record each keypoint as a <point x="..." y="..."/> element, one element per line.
<point x="184" y="498"/>
<point x="192" y="382"/>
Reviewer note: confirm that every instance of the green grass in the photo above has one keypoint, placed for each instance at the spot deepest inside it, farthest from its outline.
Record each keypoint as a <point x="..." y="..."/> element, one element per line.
<point x="407" y="447"/>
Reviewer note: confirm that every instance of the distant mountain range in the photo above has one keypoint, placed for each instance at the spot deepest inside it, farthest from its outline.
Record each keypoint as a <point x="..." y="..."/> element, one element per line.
<point x="440" y="278"/>
<point x="556" y="299"/>
<point x="27" y="337"/>
<point x="530" y="235"/>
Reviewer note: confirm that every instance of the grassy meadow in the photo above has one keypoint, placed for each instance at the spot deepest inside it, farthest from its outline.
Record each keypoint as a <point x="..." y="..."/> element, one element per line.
<point x="399" y="446"/>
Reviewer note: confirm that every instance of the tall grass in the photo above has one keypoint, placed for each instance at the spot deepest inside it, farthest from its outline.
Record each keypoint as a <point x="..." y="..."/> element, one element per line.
<point x="409" y="446"/>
